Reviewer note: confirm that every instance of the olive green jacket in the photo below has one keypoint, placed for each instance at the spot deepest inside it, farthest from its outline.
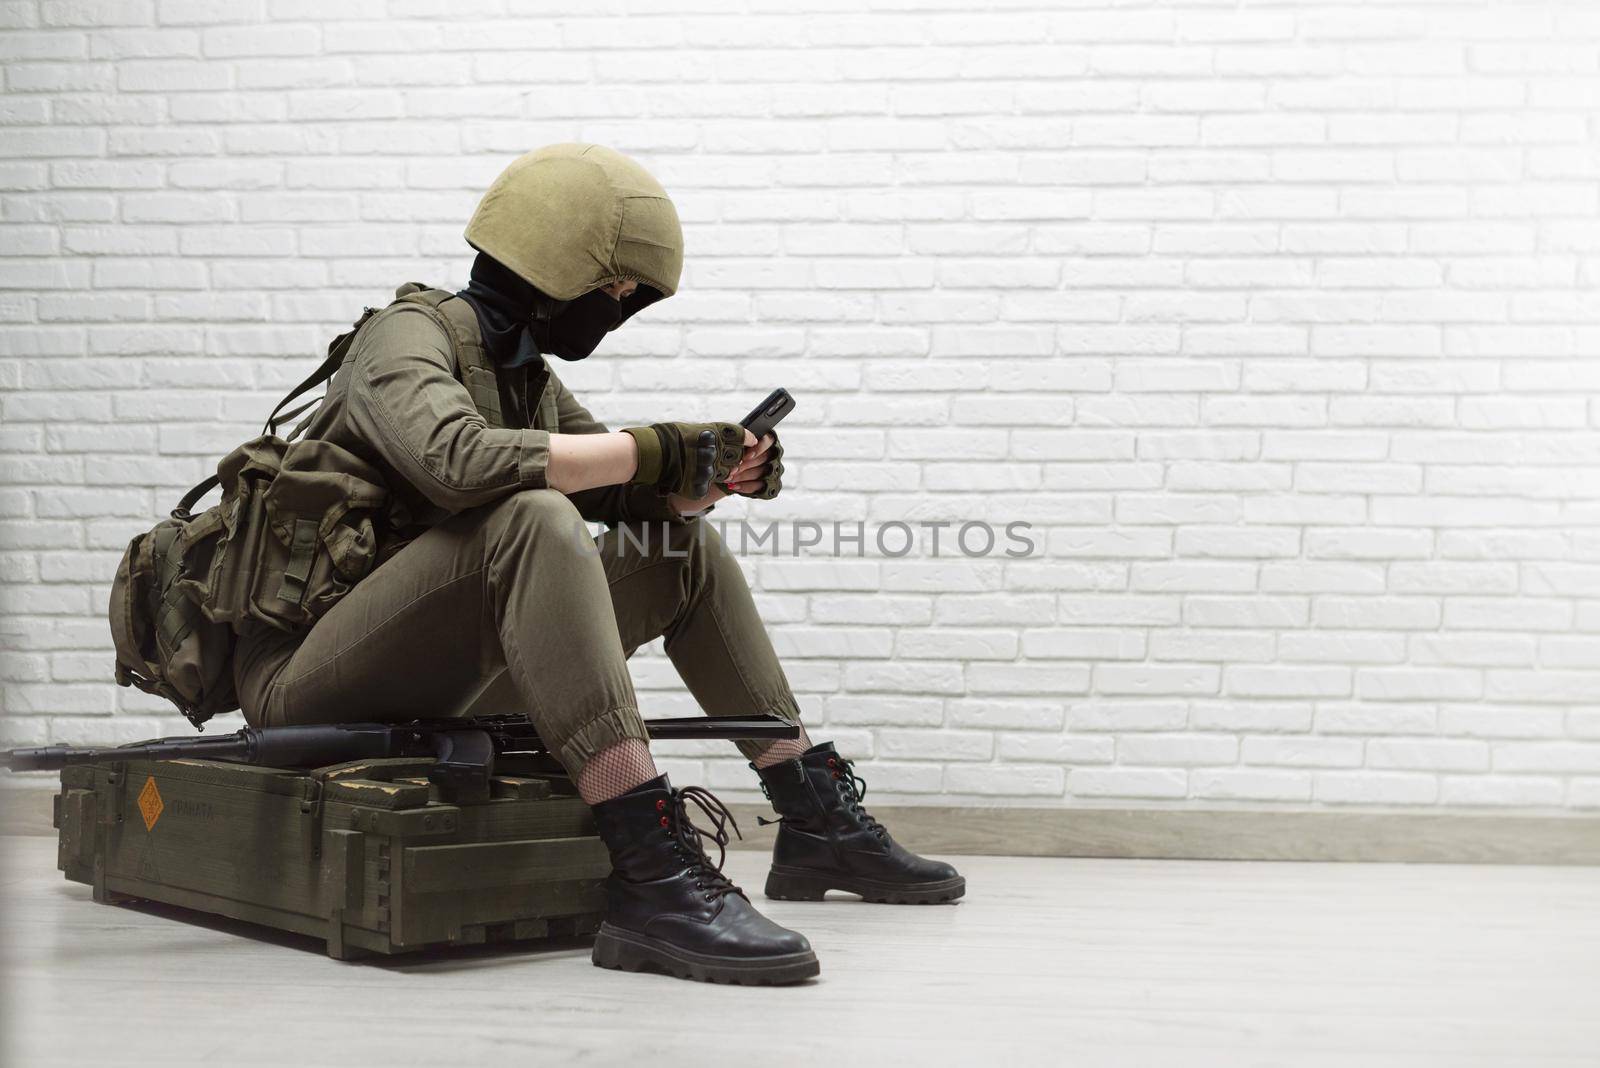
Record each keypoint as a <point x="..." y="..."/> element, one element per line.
<point x="417" y="397"/>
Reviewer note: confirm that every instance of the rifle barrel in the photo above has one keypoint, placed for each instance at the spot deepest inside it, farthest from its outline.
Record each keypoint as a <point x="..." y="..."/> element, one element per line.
<point x="319" y="744"/>
<point x="55" y="757"/>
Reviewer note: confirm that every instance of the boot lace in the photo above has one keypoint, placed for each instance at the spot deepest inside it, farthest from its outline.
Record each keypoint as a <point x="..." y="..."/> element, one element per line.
<point x="691" y="838"/>
<point x="853" y="788"/>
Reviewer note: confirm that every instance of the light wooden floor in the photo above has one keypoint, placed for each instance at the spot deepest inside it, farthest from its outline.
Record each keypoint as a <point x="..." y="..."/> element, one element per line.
<point x="1080" y="962"/>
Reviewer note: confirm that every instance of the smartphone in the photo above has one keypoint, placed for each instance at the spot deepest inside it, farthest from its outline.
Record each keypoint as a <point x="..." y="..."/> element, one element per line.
<point x="769" y="413"/>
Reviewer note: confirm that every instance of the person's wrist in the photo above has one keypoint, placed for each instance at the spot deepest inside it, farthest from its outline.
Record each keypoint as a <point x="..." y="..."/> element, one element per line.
<point x="647" y="455"/>
<point x="630" y="447"/>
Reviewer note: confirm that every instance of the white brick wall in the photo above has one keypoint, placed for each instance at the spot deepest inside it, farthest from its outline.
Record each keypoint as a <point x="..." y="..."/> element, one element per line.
<point x="1279" y="322"/>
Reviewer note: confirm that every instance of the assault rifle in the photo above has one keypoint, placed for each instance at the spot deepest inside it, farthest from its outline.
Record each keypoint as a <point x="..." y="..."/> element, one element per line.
<point x="463" y="749"/>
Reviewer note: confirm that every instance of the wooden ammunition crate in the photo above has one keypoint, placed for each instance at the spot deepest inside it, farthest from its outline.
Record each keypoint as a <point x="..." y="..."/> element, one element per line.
<point x="364" y="855"/>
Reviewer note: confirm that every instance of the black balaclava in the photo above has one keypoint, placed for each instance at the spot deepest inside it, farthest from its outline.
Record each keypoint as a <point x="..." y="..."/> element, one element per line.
<point x="521" y="323"/>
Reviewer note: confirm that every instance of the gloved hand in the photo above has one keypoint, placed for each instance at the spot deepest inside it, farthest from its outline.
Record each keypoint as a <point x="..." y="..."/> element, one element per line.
<point x="766" y="480"/>
<point x="686" y="458"/>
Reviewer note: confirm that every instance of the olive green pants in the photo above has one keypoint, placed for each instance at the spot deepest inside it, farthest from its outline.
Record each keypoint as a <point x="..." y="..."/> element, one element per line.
<point x="514" y="600"/>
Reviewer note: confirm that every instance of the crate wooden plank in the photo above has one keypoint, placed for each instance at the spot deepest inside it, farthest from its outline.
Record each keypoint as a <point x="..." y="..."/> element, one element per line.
<point x="371" y="793"/>
<point x="512" y="788"/>
<point x="468" y="866"/>
<point x="384" y="769"/>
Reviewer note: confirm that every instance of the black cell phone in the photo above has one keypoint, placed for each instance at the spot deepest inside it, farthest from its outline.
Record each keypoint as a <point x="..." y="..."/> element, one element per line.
<point x="769" y="413"/>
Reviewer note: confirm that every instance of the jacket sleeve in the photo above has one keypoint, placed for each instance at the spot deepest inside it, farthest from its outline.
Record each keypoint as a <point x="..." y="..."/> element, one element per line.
<point x="405" y="402"/>
<point x="606" y="504"/>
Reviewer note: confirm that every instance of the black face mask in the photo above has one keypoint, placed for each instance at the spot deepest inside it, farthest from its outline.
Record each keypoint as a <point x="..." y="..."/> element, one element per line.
<point x="575" y="328"/>
<point x="520" y="323"/>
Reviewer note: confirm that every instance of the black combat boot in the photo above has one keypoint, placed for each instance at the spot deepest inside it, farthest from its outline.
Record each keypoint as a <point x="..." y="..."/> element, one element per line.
<point x="827" y="841"/>
<point x="668" y="909"/>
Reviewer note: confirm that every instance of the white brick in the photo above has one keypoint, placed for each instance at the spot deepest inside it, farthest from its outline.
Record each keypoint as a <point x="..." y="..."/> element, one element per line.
<point x="1231" y="784"/>
<point x="889" y="778"/>
<point x="1245" y="611"/>
<point x="1198" y="577"/>
<point x="1083" y="643"/>
<point x="1490" y="721"/>
<point x="908" y="677"/>
<point x="1390" y="612"/>
<point x="1254" y="716"/>
<point x="1344" y="647"/>
<point x="1177" y="749"/>
<point x="1048" y="679"/>
<point x="1481" y="650"/>
<point x="1286" y="681"/>
<point x="1376" y="788"/>
<point x="1507" y="614"/>
<point x="1152" y="783"/>
<point x="1152" y="679"/>
<point x="1228" y="646"/>
<point x="1418" y="684"/>
<point x="1356" y="543"/>
<point x="1306" y="751"/>
<point x="1000" y="714"/>
<point x="1568" y="757"/>
<point x="1056" y="749"/>
<point x="1507" y="791"/>
<point x="1009" y="780"/>
<point x="1428" y="754"/>
<point x="935" y="745"/>
<point x="952" y="644"/>
<point x="1099" y="715"/>
<point x="1565" y="687"/>
<point x="1322" y="578"/>
<point x="902" y="711"/>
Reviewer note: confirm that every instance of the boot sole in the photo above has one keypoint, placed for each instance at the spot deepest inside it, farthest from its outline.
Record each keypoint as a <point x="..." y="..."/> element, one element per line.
<point x="798" y="884"/>
<point x="630" y="951"/>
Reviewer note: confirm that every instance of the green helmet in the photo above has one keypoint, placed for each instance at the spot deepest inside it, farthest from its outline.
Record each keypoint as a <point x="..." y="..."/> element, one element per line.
<point x="571" y="218"/>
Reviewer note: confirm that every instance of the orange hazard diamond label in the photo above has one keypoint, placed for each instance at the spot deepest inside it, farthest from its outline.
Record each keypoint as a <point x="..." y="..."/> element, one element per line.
<point x="150" y="805"/>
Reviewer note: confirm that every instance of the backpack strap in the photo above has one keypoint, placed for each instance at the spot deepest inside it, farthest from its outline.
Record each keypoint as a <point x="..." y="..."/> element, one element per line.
<point x="337" y="348"/>
<point x="185" y="510"/>
<point x="298" y="409"/>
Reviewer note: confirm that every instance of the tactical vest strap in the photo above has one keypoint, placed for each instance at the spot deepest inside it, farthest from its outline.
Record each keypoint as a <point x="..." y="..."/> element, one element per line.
<point x="549" y="416"/>
<point x="473" y="368"/>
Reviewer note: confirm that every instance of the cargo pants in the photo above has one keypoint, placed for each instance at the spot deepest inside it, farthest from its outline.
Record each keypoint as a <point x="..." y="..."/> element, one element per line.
<point x="515" y="596"/>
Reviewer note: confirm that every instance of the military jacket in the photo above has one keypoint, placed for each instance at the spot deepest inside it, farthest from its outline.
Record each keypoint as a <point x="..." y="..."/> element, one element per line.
<point x="419" y="398"/>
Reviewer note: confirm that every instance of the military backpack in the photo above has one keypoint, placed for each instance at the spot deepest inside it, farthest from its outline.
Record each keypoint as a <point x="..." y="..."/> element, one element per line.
<point x="294" y="530"/>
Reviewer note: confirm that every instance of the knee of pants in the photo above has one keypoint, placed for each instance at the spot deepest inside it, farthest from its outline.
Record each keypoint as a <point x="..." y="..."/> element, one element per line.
<point x="543" y="517"/>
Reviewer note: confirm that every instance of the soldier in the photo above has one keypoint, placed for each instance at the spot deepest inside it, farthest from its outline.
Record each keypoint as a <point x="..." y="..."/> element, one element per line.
<point x="493" y="467"/>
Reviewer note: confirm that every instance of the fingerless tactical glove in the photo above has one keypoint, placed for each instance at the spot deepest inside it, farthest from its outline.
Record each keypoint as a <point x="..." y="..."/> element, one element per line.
<point x="685" y="458"/>
<point x="772" y="480"/>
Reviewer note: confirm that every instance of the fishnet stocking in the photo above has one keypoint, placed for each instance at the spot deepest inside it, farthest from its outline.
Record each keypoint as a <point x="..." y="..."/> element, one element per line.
<point x="615" y="770"/>
<point x="784" y="749"/>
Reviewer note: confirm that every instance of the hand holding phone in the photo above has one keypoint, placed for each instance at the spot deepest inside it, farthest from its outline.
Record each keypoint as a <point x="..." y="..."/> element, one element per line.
<point x="761" y="421"/>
